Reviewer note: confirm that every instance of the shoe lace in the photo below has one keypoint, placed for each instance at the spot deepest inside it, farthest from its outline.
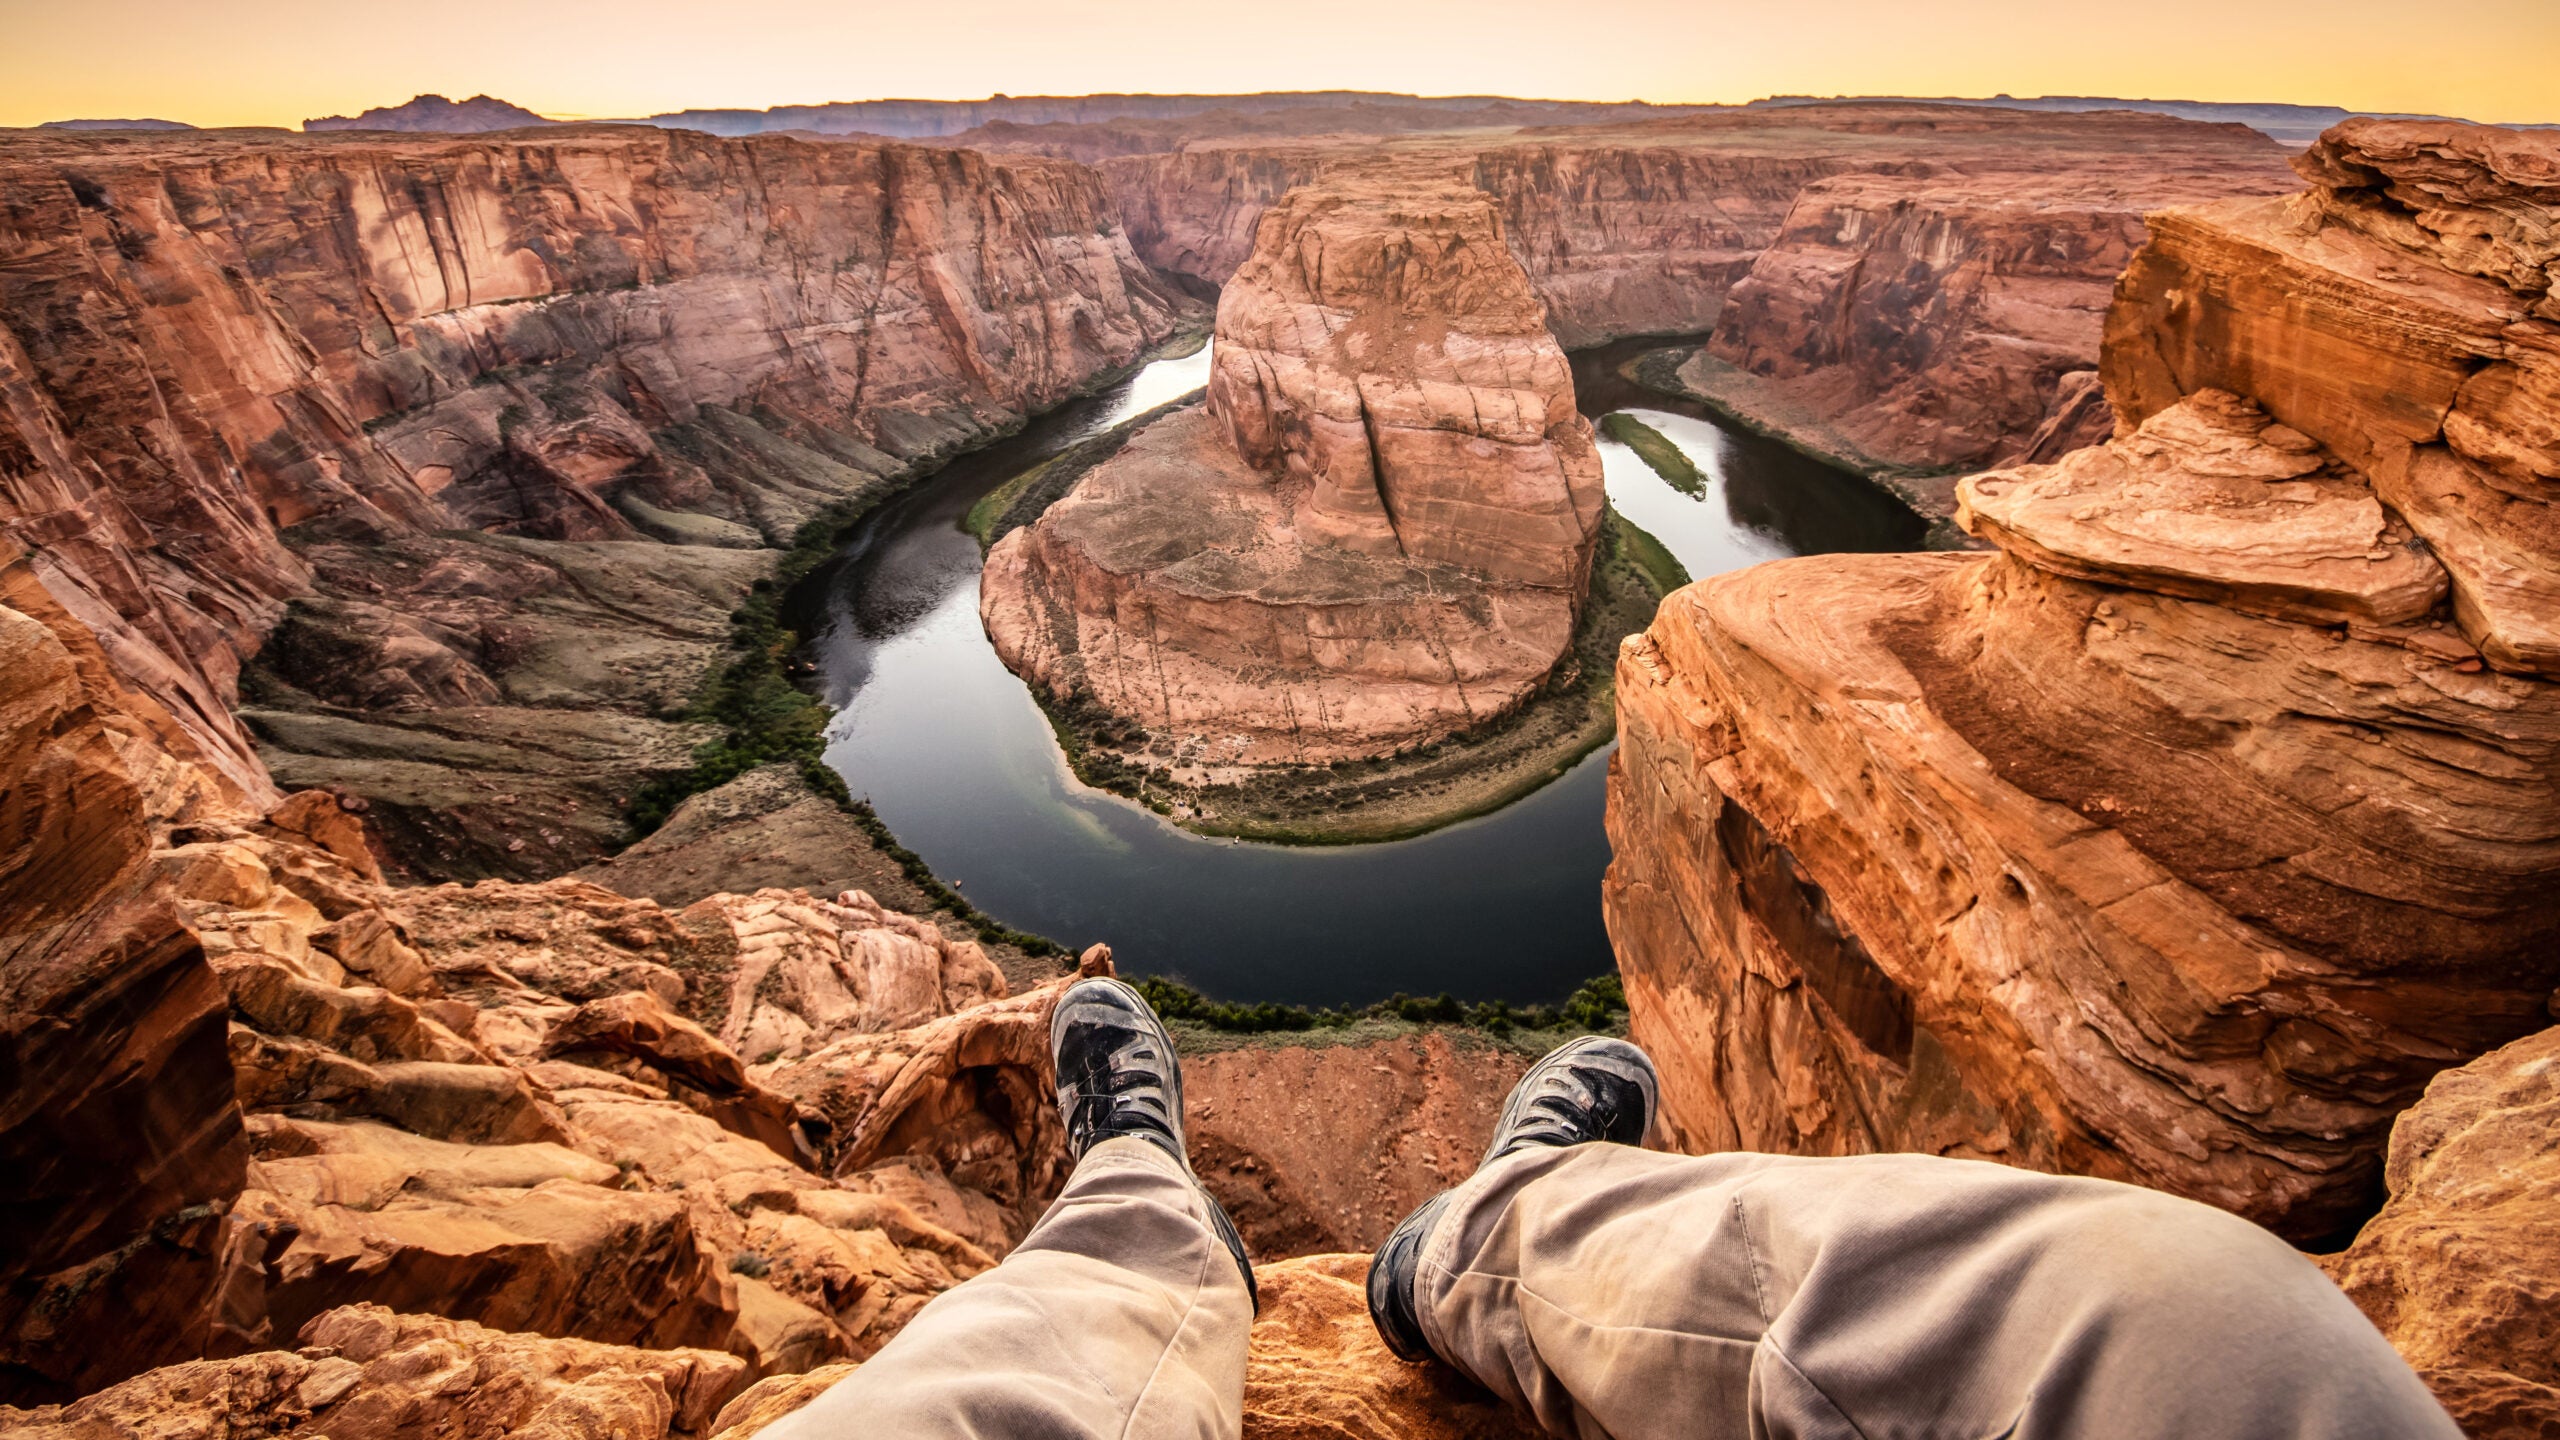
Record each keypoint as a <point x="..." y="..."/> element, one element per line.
<point x="1102" y="1105"/>
<point x="1573" y="1104"/>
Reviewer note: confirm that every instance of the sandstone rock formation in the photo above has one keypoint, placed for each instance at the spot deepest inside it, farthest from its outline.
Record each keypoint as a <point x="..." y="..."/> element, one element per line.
<point x="115" y="1106"/>
<point x="363" y="1371"/>
<point x="315" y="360"/>
<point x="1379" y="531"/>
<point x="2419" y="271"/>
<point x="2462" y="1267"/>
<point x="503" y="1104"/>
<point x="2184" y="840"/>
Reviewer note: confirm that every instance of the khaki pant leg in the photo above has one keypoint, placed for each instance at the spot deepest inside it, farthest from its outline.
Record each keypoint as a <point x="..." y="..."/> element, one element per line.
<point x="1616" y="1293"/>
<point x="1120" y="1315"/>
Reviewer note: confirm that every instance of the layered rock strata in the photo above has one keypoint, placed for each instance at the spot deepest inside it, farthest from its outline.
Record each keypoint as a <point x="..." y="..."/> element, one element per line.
<point x="2182" y="841"/>
<point x="1379" y="530"/>
<point x="2414" y="284"/>
<point x="250" y="389"/>
<point x="1906" y="289"/>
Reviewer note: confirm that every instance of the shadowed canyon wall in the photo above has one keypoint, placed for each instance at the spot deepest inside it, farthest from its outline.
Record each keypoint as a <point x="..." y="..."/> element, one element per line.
<point x="2186" y="838"/>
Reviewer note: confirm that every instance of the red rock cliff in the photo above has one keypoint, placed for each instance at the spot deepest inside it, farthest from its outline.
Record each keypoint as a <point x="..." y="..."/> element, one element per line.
<point x="206" y="341"/>
<point x="2185" y="839"/>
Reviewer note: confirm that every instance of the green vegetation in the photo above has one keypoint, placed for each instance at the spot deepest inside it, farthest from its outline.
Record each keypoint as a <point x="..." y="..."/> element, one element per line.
<point x="1661" y="569"/>
<point x="767" y="719"/>
<point x="1025" y="497"/>
<point x="1599" y="1007"/>
<point x="1656" y="450"/>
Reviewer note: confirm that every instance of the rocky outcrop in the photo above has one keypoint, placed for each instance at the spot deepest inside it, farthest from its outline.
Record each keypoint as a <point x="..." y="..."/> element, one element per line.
<point x="2413" y="288"/>
<point x="365" y="1371"/>
<point x="312" y="361"/>
<point x="116" y="1114"/>
<point x="511" y="1105"/>
<point x="2462" y="1267"/>
<point x="2181" y="842"/>
<point x="1379" y="531"/>
<point x="1318" y="1370"/>
<point x="433" y="114"/>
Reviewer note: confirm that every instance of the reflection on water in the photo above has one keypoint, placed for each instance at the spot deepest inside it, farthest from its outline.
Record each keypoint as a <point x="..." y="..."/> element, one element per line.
<point x="957" y="759"/>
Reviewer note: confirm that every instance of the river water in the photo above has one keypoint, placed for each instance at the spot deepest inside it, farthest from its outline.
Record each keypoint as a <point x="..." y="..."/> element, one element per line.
<point x="957" y="759"/>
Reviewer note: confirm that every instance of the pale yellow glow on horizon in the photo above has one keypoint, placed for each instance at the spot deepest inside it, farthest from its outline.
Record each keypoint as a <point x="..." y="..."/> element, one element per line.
<point x="277" y="62"/>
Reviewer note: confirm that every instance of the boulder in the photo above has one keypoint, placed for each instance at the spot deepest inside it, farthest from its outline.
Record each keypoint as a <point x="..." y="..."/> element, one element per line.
<point x="2210" y="500"/>
<point x="367" y="1373"/>
<point x="2462" y="1267"/>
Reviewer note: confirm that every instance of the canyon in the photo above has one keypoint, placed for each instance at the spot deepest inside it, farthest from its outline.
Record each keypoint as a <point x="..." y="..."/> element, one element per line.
<point x="430" y="946"/>
<point x="1906" y="290"/>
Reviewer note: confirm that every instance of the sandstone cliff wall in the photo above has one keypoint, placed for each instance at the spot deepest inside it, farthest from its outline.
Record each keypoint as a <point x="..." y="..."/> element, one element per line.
<point x="2185" y="839"/>
<point x="214" y="350"/>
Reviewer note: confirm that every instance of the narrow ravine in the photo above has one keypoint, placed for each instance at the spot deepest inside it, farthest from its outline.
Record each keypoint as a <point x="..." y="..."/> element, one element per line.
<point x="949" y="747"/>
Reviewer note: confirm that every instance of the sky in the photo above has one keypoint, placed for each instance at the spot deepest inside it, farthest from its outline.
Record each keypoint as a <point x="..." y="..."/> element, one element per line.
<point x="276" y="62"/>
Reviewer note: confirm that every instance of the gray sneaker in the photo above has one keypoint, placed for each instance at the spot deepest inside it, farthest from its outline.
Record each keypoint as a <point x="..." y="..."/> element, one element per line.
<point x="1118" y="1075"/>
<point x="1586" y="1090"/>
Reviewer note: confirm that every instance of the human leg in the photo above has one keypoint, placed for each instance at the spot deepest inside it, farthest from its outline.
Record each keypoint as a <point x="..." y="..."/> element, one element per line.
<point x="1125" y="1311"/>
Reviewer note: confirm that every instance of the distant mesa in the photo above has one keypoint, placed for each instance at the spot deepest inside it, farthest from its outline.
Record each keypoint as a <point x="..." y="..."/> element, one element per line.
<point x="115" y="125"/>
<point x="432" y="114"/>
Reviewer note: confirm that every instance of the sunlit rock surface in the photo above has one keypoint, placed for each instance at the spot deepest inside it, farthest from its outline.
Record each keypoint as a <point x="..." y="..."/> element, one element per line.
<point x="2184" y="841"/>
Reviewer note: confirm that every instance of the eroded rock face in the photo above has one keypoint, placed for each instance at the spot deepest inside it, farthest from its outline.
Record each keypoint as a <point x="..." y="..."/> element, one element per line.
<point x="1905" y="287"/>
<point x="1926" y="320"/>
<point x="2211" y="500"/>
<point x="510" y="1105"/>
<point x="1383" y="350"/>
<point x="364" y="1371"/>
<point x="116" y="1112"/>
<point x="2462" y="1267"/>
<point x="2181" y="843"/>
<point x="1314" y="1149"/>
<point x="366" y="340"/>
<point x="2398" y="315"/>
<point x="1378" y="532"/>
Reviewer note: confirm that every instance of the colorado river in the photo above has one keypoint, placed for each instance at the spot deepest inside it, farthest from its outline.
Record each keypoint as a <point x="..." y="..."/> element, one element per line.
<point x="958" y="760"/>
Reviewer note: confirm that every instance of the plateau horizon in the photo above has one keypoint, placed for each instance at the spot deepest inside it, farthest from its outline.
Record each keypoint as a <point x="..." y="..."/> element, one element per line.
<point x="277" y="62"/>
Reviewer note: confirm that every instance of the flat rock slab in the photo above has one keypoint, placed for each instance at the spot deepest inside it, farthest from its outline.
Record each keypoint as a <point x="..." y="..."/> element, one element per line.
<point x="2213" y="501"/>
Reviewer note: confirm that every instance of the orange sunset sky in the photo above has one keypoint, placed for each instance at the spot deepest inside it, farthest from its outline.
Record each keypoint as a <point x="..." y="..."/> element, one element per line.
<point x="275" y="62"/>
